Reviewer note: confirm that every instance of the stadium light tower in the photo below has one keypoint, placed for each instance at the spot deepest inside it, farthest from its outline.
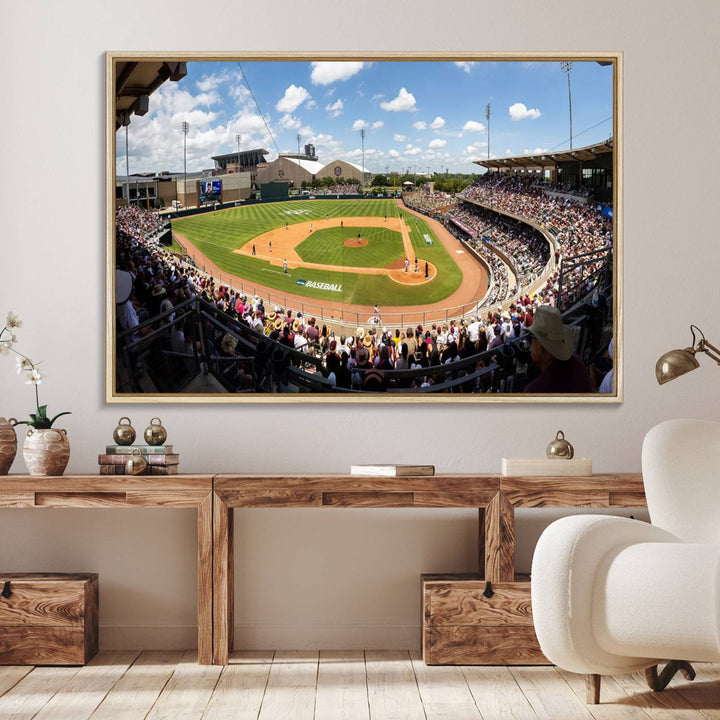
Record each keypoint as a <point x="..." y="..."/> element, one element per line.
<point x="126" y="122"/>
<point x="362" y="172"/>
<point x="185" y="130"/>
<point x="567" y="67"/>
<point x="487" y="117"/>
<point x="298" y="139"/>
<point x="237" y="140"/>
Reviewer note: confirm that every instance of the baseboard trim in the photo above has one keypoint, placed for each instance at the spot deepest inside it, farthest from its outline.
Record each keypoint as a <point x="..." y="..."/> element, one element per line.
<point x="327" y="637"/>
<point x="148" y="637"/>
<point x="265" y="636"/>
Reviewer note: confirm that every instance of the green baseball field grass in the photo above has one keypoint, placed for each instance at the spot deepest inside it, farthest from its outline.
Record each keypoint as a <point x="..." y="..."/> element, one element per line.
<point x="217" y="235"/>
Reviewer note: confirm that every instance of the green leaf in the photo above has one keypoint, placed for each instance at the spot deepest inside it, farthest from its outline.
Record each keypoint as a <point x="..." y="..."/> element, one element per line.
<point x="67" y="412"/>
<point x="42" y="411"/>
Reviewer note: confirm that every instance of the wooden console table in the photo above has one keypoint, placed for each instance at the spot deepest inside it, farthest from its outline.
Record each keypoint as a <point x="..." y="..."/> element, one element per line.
<point x="92" y="491"/>
<point x="495" y="497"/>
<point x="215" y="497"/>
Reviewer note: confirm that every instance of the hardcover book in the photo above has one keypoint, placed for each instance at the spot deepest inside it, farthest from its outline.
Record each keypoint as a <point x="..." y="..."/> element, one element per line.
<point x="392" y="470"/>
<point x="110" y="459"/>
<point x="149" y="470"/>
<point x="144" y="449"/>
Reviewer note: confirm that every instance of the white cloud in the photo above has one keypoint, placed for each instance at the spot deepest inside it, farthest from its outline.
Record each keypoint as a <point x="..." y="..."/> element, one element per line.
<point x="311" y="104"/>
<point x="359" y="125"/>
<point x="473" y="126"/>
<point x="420" y="125"/>
<point x="470" y="150"/>
<point x="438" y="143"/>
<point x="377" y="96"/>
<point x="410" y="150"/>
<point x="509" y="152"/>
<point x="393" y="153"/>
<point x="292" y="99"/>
<point x="325" y="73"/>
<point x="211" y="82"/>
<point x="536" y="151"/>
<point x="465" y="66"/>
<point x="518" y="111"/>
<point x="289" y="122"/>
<point x="437" y="123"/>
<point x="335" y="109"/>
<point x="403" y="101"/>
<point x="399" y="138"/>
<point x="239" y="93"/>
<point x="377" y="124"/>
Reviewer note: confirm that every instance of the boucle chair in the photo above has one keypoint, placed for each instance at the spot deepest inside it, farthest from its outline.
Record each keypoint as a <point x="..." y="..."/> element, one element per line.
<point x="614" y="595"/>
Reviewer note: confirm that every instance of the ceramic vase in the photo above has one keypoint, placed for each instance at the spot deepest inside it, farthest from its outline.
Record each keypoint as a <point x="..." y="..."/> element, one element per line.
<point x="47" y="451"/>
<point x="8" y="444"/>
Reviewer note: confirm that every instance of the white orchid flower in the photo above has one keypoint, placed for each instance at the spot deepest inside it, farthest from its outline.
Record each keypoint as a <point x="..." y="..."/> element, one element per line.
<point x="5" y="346"/>
<point x="35" y="377"/>
<point x="23" y="364"/>
<point x="13" y="320"/>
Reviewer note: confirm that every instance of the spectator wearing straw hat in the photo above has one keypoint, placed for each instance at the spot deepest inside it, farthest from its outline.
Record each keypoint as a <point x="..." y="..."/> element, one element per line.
<point x="553" y="350"/>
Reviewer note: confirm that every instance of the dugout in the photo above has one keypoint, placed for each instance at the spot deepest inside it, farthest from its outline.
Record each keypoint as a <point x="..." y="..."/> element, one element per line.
<point x="275" y="191"/>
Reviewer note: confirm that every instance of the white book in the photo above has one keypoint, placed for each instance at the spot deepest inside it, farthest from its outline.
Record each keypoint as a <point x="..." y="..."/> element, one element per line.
<point x="392" y="470"/>
<point x="547" y="467"/>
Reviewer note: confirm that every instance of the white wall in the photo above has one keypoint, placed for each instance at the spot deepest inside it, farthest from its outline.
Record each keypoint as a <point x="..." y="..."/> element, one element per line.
<point x="330" y="578"/>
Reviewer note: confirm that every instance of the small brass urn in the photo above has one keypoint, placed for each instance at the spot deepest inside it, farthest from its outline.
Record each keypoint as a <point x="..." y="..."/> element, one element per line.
<point x="155" y="433"/>
<point x="124" y="433"/>
<point x="136" y="463"/>
<point x="560" y="448"/>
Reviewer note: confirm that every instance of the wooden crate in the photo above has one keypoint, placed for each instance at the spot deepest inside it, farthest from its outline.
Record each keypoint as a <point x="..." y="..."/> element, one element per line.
<point x="48" y="618"/>
<point x="461" y="626"/>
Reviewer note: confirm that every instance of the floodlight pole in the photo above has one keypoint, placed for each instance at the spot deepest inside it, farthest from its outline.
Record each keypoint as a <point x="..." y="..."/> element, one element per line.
<point x="362" y="172"/>
<point x="127" y="162"/>
<point x="487" y="117"/>
<point x="567" y="67"/>
<point x="185" y="130"/>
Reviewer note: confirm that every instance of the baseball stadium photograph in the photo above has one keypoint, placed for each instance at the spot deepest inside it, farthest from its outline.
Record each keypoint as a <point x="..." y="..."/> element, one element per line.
<point x="384" y="228"/>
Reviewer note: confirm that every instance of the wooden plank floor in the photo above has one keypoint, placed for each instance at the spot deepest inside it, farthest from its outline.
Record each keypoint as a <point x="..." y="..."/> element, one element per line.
<point x="344" y="685"/>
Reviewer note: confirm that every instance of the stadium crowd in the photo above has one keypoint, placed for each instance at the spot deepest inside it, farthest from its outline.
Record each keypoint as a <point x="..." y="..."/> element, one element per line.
<point x="429" y="202"/>
<point x="338" y="189"/>
<point x="578" y="228"/>
<point x="526" y="249"/>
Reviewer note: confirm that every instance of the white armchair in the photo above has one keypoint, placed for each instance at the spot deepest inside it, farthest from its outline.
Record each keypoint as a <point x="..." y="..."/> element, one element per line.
<point x="613" y="595"/>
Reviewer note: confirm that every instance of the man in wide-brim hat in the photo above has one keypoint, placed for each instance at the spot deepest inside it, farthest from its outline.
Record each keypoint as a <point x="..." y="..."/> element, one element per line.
<point x="552" y="349"/>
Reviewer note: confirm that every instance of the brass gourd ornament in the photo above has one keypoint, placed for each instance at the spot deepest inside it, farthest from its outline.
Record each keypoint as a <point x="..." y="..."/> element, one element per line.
<point x="136" y="463"/>
<point x="155" y="433"/>
<point x="560" y="448"/>
<point x="124" y="433"/>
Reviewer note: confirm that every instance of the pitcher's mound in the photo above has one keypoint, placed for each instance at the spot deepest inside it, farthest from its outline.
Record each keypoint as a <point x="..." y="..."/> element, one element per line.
<point x="354" y="242"/>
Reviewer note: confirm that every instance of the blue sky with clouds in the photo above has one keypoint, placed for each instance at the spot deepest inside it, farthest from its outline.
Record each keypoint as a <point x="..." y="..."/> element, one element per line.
<point x="416" y="115"/>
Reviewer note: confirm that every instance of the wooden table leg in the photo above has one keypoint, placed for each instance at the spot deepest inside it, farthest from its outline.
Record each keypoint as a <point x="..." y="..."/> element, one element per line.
<point x="205" y="580"/>
<point x="499" y="518"/>
<point x="223" y="581"/>
<point x="481" y="541"/>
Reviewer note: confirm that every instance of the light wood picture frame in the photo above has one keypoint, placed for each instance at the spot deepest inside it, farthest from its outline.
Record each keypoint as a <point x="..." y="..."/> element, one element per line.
<point x="399" y="220"/>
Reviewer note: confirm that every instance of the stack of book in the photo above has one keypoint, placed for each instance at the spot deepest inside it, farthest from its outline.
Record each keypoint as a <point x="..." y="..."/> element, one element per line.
<point x="160" y="459"/>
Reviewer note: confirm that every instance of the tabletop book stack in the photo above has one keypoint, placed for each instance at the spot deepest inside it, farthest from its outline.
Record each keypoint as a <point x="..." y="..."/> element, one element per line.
<point x="160" y="459"/>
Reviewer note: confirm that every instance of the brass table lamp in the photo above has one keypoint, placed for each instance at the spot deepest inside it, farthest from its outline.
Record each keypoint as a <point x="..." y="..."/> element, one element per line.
<point x="677" y="362"/>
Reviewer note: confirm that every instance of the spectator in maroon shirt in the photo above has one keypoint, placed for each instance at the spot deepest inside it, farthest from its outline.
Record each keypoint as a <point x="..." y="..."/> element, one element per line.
<point x="553" y="350"/>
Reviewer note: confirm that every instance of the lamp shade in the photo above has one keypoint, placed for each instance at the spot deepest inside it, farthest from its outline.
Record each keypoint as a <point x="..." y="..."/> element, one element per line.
<point x="675" y="363"/>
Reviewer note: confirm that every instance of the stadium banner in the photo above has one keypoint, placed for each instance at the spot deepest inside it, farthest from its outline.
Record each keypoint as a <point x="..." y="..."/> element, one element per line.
<point x="293" y="250"/>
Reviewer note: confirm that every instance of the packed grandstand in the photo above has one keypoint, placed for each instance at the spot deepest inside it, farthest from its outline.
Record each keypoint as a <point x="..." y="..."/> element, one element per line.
<point x="541" y="244"/>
